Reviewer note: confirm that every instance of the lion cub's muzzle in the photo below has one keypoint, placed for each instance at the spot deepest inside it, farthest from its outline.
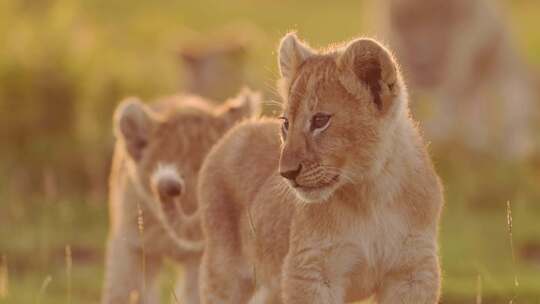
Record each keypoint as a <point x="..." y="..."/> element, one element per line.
<point x="291" y="175"/>
<point x="167" y="185"/>
<point x="311" y="182"/>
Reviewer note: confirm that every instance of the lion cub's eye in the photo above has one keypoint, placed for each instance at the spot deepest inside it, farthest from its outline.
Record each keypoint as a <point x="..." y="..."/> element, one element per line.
<point x="320" y="121"/>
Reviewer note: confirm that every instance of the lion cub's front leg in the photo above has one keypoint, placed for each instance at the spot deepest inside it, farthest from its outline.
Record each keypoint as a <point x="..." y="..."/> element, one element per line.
<point x="306" y="278"/>
<point x="126" y="279"/>
<point x="413" y="284"/>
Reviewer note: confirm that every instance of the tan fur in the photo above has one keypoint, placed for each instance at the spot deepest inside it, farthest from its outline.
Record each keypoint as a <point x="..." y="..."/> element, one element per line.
<point x="361" y="217"/>
<point x="461" y="53"/>
<point x="175" y="133"/>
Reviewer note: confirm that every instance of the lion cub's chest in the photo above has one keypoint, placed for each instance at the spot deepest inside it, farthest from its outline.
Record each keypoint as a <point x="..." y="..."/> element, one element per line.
<point x="373" y="247"/>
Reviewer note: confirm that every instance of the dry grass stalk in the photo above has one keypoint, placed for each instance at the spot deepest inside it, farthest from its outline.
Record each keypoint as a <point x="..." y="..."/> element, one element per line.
<point x="479" y="289"/>
<point x="173" y="293"/>
<point x="140" y="222"/>
<point x="509" y="226"/>
<point x="509" y="230"/>
<point x="4" y="278"/>
<point x="43" y="288"/>
<point x="69" y="266"/>
<point x="254" y="234"/>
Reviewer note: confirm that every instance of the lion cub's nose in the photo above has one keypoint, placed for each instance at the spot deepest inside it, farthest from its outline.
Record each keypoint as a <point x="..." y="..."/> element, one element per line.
<point x="291" y="174"/>
<point x="167" y="183"/>
<point x="169" y="188"/>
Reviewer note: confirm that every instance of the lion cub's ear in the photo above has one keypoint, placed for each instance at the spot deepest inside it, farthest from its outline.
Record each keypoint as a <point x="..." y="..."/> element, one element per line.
<point x="246" y="104"/>
<point x="133" y="124"/>
<point x="250" y="101"/>
<point x="366" y="63"/>
<point x="292" y="53"/>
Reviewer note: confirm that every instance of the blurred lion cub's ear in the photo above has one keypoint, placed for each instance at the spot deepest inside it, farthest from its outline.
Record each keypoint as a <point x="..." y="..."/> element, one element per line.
<point x="246" y="104"/>
<point x="250" y="100"/>
<point x="365" y="62"/>
<point x="291" y="54"/>
<point x="133" y="124"/>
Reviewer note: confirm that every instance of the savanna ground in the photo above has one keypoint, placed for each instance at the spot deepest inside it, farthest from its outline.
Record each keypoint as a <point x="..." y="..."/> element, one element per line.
<point x="65" y="64"/>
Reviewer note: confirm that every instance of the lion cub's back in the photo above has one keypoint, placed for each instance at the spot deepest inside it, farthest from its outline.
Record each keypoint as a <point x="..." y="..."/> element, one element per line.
<point x="240" y="163"/>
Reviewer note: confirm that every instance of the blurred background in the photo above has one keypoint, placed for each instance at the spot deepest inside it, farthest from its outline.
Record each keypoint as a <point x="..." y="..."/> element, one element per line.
<point x="64" y="65"/>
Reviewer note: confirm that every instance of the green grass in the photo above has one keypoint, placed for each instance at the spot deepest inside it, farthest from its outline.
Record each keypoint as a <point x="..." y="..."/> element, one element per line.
<point x="474" y="241"/>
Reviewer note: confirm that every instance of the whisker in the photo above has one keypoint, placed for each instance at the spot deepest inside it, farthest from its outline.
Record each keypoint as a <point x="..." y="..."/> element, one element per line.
<point x="348" y="176"/>
<point x="274" y="103"/>
<point x="273" y="72"/>
<point x="271" y="87"/>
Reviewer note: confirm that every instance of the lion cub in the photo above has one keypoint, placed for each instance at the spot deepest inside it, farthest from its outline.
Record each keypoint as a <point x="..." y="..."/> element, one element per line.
<point x="157" y="157"/>
<point x="335" y="202"/>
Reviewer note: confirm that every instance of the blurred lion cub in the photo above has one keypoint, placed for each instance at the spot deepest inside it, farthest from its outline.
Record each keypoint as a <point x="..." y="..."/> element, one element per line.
<point x="343" y="205"/>
<point x="157" y="157"/>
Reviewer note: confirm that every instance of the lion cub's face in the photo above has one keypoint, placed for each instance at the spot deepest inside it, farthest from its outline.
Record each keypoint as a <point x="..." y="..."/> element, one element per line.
<point x="167" y="144"/>
<point x="338" y="106"/>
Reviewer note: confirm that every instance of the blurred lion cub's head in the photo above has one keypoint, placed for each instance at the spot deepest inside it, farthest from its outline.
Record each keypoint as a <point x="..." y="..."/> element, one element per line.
<point x="340" y="105"/>
<point x="166" y="142"/>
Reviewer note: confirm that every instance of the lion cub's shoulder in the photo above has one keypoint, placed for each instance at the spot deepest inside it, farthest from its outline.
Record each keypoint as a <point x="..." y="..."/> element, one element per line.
<point x="253" y="138"/>
<point x="248" y="152"/>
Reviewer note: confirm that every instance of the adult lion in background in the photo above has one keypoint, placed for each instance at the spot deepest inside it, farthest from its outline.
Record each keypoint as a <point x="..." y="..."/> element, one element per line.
<point x="158" y="153"/>
<point x="462" y="54"/>
<point x="343" y="205"/>
<point x="214" y="68"/>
